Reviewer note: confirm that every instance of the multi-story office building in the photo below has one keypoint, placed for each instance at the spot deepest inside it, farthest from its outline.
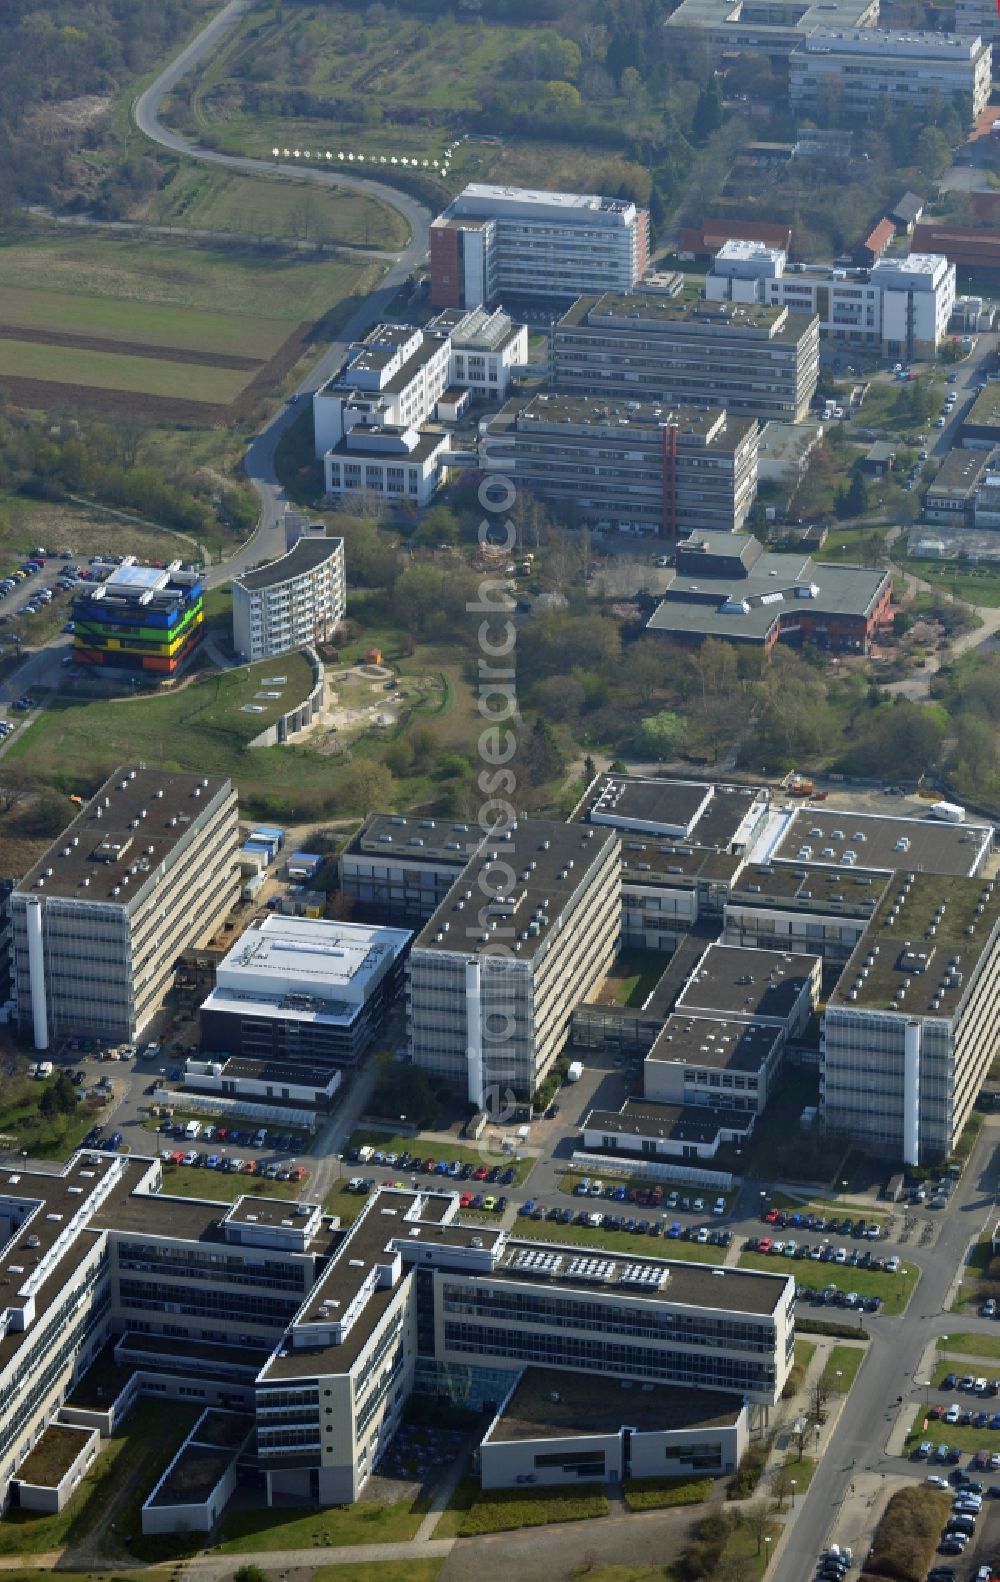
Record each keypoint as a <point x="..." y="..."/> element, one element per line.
<point x="902" y="306"/>
<point x="292" y="602"/>
<point x="143" y="619"/>
<point x="529" y="928"/>
<point x="773" y="29"/>
<point x="391" y="380"/>
<point x="802" y="907"/>
<point x="146" y="870"/>
<point x="913" y="1025"/>
<point x="751" y="359"/>
<point x="721" y="1062"/>
<point x="303" y="989"/>
<point x="951" y="494"/>
<point x="646" y="468"/>
<point x="977" y="18"/>
<point x="509" y="243"/>
<point x="267" y="1308"/>
<point x="855" y="71"/>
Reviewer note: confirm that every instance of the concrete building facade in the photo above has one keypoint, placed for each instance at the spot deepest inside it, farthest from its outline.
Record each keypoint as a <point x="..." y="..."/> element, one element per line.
<point x="146" y="870"/>
<point x="750" y="359"/>
<point x="854" y="71"/>
<point x="293" y="602"/>
<point x="529" y="928"/>
<point x="653" y="469"/>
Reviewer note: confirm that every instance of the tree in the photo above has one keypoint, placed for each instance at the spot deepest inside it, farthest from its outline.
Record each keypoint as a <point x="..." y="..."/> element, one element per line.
<point x="757" y="1518"/>
<point x="589" y="769"/>
<point x="781" y="1484"/>
<point x="365" y="785"/>
<point x="819" y="1394"/>
<point x="932" y="151"/>
<point x="707" y="116"/>
<point x="251" y="1573"/>
<point x="662" y="735"/>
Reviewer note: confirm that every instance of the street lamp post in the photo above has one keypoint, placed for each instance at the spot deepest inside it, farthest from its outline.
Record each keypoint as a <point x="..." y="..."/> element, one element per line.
<point x="793" y="1493"/>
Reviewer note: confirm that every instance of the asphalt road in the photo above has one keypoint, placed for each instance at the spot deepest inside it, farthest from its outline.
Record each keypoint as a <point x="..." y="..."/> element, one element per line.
<point x="267" y="541"/>
<point x="897" y="1345"/>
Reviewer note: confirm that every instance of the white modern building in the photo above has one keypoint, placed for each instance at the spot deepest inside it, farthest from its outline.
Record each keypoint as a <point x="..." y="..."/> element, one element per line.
<point x="913" y="1025"/>
<point x="146" y="870"/>
<point x="304" y="989"/>
<point x="529" y="928"/>
<point x="853" y="71"/>
<point x="513" y="243"/>
<point x="292" y="602"/>
<point x="487" y="349"/>
<point x="902" y="306"/>
<point x="739" y="26"/>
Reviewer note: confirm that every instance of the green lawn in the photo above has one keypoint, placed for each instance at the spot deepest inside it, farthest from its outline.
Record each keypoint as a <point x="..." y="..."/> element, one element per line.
<point x="258" y="1531"/>
<point x="801" y="1468"/>
<point x="118" y="371"/>
<point x="894" y="1289"/>
<point x="845" y="1362"/>
<point x="618" y="1241"/>
<point x="969" y="1345"/>
<point x="347" y="1205"/>
<point x="132" y="1459"/>
<point x="224" y="1186"/>
<point x="974" y="584"/>
<point x="204" y="198"/>
<point x="633" y="977"/>
<point x="473" y="1511"/>
<point x="378" y="1571"/>
<point x="464" y="1153"/>
<point x="655" y="1494"/>
<point x="939" y="1433"/>
<point x="805" y="1350"/>
<point x="976" y="1267"/>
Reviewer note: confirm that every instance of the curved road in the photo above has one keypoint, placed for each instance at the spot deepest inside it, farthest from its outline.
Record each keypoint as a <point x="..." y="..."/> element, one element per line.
<point x="268" y="539"/>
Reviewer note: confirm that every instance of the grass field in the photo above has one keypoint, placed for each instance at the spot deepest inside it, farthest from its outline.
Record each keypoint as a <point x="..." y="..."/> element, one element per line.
<point x="103" y="370"/>
<point x="257" y="1531"/>
<point x="842" y="1368"/>
<point x="938" y="1433"/>
<point x="633" y="977"/>
<point x="968" y="1345"/>
<point x="378" y="1571"/>
<point x="473" y="1510"/>
<point x="618" y="1241"/>
<point x="224" y="1186"/>
<point x="166" y="293"/>
<point x="203" y="198"/>
<point x="894" y="1289"/>
<point x="465" y="1153"/>
<point x="974" y="584"/>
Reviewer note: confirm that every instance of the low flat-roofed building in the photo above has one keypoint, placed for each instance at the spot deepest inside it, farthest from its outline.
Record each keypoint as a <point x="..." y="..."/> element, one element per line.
<point x="146" y="870"/>
<point x="554" y="1428"/>
<point x="682" y="845"/>
<point x="768" y="986"/>
<point x="296" y="988"/>
<point x="712" y="1060"/>
<point x="980" y="427"/>
<point x="807" y="908"/>
<point x="729" y="587"/>
<point x="849" y="840"/>
<point x="951" y="495"/>
<point x="529" y="928"/>
<point x="689" y="1133"/>
<point x="913" y="1025"/>
<point x="974" y="251"/>
<point x="399" y="868"/>
<point x="239" y="1078"/>
<point x="773" y="30"/>
<point x="784" y="450"/>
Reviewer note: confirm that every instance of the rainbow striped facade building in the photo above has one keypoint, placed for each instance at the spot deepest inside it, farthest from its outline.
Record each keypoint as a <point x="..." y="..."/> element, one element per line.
<point x="142" y="619"/>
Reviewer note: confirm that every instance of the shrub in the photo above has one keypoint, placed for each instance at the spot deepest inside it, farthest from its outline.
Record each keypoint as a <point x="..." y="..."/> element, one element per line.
<point x="906" y="1537"/>
<point x="749" y="1471"/>
<point x="653" y="1494"/>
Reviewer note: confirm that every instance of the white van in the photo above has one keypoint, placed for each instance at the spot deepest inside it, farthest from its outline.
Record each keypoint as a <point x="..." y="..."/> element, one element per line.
<point x="192" y="1130"/>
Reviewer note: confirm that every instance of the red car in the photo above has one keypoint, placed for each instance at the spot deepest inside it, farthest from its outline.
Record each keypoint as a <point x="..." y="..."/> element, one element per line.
<point x="771" y="1217"/>
<point x="221" y="1133"/>
<point x="465" y="1201"/>
<point x="480" y="1174"/>
<point x="765" y="1244"/>
<point x="299" y="1174"/>
<point x="936" y="1412"/>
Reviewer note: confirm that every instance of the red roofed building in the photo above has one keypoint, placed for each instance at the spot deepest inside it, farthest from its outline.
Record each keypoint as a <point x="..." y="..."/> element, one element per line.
<point x="876" y="242"/>
<point x="704" y="241"/>
<point x="966" y="249"/>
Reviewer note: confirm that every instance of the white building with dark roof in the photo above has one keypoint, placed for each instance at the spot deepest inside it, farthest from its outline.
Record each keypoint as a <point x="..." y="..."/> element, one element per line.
<point x="146" y="870"/>
<point x="293" y="602"/>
